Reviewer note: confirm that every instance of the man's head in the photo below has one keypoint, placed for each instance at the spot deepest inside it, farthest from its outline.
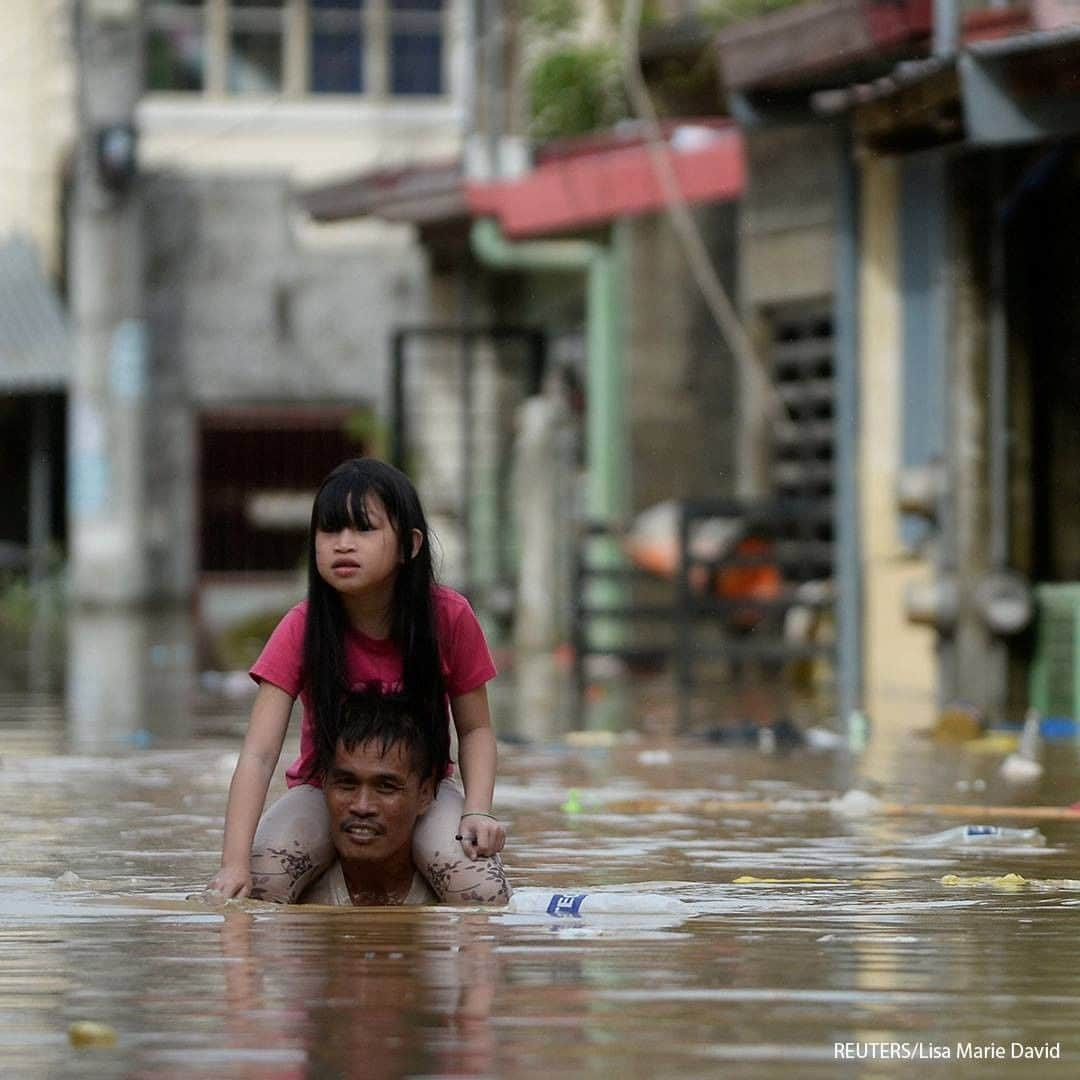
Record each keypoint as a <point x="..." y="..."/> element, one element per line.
<point x="381" y="779"/>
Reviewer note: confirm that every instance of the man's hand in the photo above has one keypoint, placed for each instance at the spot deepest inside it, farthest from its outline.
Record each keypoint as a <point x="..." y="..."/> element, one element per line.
<point x="481" y="835"/>
<point x="231" y="882"/>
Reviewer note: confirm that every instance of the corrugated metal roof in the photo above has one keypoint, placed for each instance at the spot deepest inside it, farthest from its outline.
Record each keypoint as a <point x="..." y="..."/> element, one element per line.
<point x="35" y="340"/>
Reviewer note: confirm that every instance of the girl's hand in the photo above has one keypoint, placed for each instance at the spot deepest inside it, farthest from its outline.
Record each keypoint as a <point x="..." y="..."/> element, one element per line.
<point x="481" y="835"/>
<point x="231" y="882"/>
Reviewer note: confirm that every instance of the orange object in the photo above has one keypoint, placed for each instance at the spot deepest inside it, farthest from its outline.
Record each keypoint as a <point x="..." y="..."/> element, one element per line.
<point x="659" y="557"/>
<point x="759" y="581"/>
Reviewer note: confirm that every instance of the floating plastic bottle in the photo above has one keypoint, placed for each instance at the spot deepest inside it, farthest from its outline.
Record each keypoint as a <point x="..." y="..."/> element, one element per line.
<point x="572" y="905"/>
<point x="982" y="836"/>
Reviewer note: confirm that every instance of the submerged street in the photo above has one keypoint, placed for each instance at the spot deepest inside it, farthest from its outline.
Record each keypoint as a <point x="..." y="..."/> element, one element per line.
<point x="820" y="933"/>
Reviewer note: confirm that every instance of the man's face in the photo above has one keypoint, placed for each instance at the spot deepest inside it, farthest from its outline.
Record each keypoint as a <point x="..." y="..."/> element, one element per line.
<point x="373" y="800"/>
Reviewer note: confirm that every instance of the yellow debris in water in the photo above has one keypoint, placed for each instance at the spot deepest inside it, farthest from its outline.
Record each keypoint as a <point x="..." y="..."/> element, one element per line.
<point x="997" y="742"/>
<point x="86" y="1033"/>
<point x="749" y="879"/>
<point x="957" y="723"/>
<point x="1005" y="881"/>
<point x="591" y="739"/>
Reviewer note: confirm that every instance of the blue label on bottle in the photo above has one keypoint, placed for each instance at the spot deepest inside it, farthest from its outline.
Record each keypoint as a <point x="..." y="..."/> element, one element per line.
<point x="981" y="830"/>
<point x="565" y="904"/>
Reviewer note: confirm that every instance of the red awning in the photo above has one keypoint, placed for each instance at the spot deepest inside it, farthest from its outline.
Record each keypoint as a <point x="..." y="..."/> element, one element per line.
<point x="572" y="192"/>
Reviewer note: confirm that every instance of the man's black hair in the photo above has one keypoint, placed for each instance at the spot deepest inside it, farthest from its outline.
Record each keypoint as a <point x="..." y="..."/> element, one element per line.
<point x="386" y="720"/>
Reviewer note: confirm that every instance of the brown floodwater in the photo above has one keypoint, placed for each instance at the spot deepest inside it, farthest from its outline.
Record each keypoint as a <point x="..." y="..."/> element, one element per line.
<point x="848" y="936"/>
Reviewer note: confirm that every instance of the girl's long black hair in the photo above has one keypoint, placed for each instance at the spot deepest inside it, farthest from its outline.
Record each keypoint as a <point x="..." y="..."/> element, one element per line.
<point x="340" y="503"/>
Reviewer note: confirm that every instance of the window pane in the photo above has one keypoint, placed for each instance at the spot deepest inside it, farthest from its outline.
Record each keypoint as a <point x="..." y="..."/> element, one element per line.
<point x="337" y="63"/>
<point x="175" y="45"/>
<point x="416" y="46"/>
<point x="256" y="63"/>
<point x="415" y="63"/>
<point x="337" y="46"/>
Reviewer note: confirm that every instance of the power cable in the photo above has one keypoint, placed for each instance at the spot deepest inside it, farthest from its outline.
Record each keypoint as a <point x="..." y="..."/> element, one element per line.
<point x="751" y="364"/>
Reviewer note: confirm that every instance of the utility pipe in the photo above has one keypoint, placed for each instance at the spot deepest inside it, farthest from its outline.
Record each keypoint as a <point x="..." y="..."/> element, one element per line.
<point x="605" y="435"/>
<point x="998" y="382"/>
<point x="848" y="559"/>
<point x="946" y="28"/>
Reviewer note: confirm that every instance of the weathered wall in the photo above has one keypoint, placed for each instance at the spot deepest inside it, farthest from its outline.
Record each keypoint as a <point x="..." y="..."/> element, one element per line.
<point x="246" y="314"/>
<point x="240" y="313"/>
<point x="681" y="389"/>
<point x="37" y="116"/>
<point x="786" y="232"/>
<point x="787" y="218"/>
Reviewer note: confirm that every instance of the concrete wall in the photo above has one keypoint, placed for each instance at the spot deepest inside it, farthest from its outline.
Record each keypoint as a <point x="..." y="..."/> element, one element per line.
<point x="247" y="313"/>
<point x="681" y="386"/>
<point x="307" y="140"/>
<point x="37" y="116"/>
<point x="786" y="232"/>
<point x="787" y="217"/>
<point x="242" y="312"/>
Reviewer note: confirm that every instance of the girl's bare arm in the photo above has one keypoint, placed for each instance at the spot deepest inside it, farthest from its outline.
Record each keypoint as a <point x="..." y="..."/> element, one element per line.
<point x="247" y="792"/>
<point x="477" y="758"/>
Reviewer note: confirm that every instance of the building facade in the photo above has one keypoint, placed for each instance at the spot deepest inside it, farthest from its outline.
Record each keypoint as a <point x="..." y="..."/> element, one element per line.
<point x="265" y="338"/>
<point x="954" y="141"/>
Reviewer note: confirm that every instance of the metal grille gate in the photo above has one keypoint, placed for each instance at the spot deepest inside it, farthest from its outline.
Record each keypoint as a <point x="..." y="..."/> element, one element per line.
<point x="735" y="606"/>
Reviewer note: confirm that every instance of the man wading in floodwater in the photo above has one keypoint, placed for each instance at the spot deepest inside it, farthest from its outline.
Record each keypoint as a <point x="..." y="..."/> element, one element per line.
<point x="381" y="779"/>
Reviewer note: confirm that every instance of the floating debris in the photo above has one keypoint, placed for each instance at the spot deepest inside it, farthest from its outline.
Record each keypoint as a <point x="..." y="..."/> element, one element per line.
<point x="994" y="742"/>
<point x="1009" y="882"/>
<point x="749" y="879"/>
<point x="1023" y="767"/>
<point x="820" y="738"/>
<point x="958" y="722"/>
<point x="981" y="836"/>
<point x="88" y="1034"/>
<point x="572" y="804"/>
<point x="576" y="904"/>
<point x="856" y="803"/>
<point x="655" y="757"/>
<point x="592" y="740"/>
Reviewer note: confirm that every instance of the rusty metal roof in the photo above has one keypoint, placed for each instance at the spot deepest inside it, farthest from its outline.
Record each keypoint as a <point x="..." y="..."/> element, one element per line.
<point x="420" y="193"/>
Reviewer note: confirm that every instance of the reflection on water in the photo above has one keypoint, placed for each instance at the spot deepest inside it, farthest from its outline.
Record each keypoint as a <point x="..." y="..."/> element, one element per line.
<point x="128" y="679"/>
<point x="846" y="934"/>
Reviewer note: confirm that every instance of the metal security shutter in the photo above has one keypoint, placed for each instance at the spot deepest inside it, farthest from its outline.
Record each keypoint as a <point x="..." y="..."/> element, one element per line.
<point x="802" y="452"/>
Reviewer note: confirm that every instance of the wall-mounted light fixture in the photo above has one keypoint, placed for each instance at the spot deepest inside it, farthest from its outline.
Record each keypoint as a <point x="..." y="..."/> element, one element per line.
<point x="116" y="157"/>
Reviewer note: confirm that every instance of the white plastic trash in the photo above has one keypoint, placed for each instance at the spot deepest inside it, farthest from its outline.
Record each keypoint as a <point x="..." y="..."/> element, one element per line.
<point x="855" y="803"/>
<point x="571" y="905"/>
<point x="982" y="836"/>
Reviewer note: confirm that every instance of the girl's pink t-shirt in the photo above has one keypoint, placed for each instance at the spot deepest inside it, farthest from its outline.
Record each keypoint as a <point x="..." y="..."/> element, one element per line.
<point x="466" y="663"/>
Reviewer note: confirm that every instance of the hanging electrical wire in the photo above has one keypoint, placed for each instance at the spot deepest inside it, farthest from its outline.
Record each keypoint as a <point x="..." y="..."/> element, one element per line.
<point x="751" y="364"/>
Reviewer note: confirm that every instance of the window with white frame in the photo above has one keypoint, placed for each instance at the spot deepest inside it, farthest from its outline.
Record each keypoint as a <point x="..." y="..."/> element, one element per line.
<point x="378" y="48"/>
